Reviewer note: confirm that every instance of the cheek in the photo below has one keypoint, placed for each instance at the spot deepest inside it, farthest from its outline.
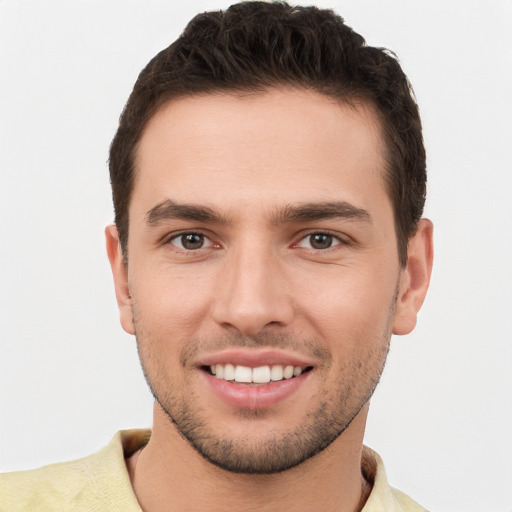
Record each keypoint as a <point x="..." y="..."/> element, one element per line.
<point x="170" y="300"/>
<point x="345" y="302"/>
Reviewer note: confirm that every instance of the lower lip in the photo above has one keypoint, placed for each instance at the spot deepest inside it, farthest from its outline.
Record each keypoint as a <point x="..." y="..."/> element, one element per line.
<point x="248" y="396"/>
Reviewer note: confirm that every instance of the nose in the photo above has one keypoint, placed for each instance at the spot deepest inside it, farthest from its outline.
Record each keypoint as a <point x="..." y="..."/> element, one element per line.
<point x="252" y="292"/>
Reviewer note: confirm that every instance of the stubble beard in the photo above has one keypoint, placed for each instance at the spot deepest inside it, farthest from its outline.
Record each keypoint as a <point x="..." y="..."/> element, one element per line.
<point x="273" y="452"/>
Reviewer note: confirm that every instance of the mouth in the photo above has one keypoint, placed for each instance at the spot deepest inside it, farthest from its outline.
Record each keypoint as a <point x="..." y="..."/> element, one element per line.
<point x="256" y="379"/>
<point x="259" y="375"/>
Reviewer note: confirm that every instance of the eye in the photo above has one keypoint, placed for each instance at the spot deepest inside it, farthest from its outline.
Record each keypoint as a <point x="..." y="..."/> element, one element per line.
<point x="191" y="241"/>
<point x="319" y="241"/>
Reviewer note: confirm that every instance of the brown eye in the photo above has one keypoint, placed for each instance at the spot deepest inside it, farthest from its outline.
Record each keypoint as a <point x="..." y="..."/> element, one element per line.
<point x="189" y="241"/>
<point x="320" y="241"/>
<point x="192" y="241"/>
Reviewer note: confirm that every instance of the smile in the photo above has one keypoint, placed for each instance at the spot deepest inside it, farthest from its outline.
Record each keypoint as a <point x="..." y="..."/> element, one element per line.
<point x="255" y="379"/>
<point x="258" y="375"/>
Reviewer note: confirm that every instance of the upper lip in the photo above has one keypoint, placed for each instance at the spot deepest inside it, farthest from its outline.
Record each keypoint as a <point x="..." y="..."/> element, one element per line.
<point x="255" y="358"/>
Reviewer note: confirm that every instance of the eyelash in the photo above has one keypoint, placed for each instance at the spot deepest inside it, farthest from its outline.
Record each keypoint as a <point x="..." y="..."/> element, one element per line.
<point x="335" y="237"/>
<point x="177" y="236"/>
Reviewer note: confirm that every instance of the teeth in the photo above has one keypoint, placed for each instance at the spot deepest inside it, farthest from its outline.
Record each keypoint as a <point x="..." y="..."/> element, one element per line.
<point x="288" y="372"/>
<point x="229" y="372"/>
<point x="276" y="372"/>
<point x="243" y="374"/>
<point x="259" y="375"/>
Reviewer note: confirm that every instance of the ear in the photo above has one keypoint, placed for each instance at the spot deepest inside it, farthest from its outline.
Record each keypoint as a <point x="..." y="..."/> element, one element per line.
<point x="415" y="278"/>
<point x="120" y="273"/>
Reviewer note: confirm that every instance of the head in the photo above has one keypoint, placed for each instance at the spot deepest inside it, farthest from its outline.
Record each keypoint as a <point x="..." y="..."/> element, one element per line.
<point x="253" y="46"/>
<point x="268" y="178"/>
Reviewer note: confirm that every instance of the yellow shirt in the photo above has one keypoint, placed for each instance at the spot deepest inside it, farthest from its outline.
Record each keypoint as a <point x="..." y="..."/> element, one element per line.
<point x="100" y="482"/>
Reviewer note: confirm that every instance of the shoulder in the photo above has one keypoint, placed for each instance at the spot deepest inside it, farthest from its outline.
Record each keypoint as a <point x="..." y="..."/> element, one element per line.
<point x="86" y="484"/>
<point x="48" y="488"/>
<point x="383" y="497"/>
<point x="405" y="503"/>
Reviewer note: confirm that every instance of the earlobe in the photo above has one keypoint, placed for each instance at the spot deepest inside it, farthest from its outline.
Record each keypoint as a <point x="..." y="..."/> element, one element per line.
<point x="415" y="278"/>
<point x="120" y="274"/>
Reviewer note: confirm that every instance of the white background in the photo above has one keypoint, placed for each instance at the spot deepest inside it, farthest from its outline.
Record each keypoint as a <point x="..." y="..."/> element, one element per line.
<point x="69" y="376"/>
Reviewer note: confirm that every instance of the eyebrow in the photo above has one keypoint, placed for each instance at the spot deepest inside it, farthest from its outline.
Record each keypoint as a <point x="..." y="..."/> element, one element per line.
<point x="170" y="210"/>
<point x="304" y="212"/>
<point x="318" y="211"/>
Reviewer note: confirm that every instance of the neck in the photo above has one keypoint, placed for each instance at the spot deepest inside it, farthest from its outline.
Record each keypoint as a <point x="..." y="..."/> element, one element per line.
<point x="168" y="474"/>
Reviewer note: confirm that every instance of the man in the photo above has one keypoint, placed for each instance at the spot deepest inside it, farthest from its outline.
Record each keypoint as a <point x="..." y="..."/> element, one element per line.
<point x="268" y="178"/>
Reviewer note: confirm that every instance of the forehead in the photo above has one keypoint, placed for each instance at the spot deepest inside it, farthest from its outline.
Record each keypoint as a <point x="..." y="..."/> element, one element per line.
<point x="282" y="144"/>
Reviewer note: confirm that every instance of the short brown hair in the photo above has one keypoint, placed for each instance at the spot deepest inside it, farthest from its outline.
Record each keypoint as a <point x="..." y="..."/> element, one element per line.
<point x="252" y="46"/>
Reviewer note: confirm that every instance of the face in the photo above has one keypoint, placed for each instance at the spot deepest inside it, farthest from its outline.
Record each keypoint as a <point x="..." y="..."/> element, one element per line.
<point x="263" y="275"/>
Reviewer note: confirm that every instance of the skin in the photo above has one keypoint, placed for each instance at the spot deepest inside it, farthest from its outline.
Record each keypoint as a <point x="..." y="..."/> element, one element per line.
<point x="259" y="285"/>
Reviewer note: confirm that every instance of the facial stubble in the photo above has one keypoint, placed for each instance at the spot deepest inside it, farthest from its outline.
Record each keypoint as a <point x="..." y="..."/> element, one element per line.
<point x="272" y="452"/>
